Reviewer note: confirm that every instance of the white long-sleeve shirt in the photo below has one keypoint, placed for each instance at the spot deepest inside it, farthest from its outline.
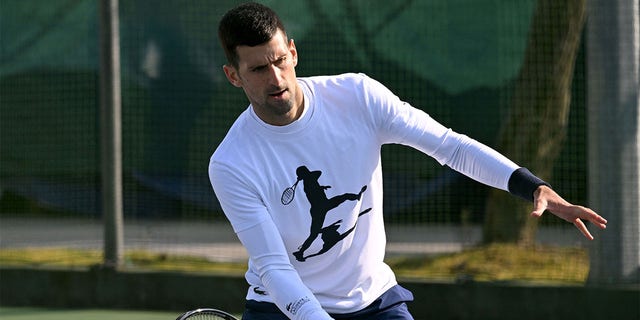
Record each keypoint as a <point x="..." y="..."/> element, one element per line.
<point x="336" y="262"/>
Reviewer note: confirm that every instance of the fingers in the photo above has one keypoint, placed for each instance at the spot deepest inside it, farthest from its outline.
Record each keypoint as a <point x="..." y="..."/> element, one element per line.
<point x="583" y="229"/>
<point x="539" y="206"/>
<point x="547" y="199"/>
<point x="587" y="214"/>
<point x="591" y="216"/>
<point x="596" y="219"/>
<point x="577" y="222"/>
<point x="571" y="213"/>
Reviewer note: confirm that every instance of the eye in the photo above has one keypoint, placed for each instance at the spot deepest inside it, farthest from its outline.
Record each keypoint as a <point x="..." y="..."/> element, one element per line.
<point x="281" y="61"/>
<point x="259" y="69"/>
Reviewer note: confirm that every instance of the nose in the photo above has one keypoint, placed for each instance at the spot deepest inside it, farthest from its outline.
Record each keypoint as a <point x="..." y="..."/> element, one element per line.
<point x="275" y="75"/>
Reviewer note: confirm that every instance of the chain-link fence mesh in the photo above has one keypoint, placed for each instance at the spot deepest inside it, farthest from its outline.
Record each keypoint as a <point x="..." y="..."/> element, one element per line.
<point x="457" y="60"/>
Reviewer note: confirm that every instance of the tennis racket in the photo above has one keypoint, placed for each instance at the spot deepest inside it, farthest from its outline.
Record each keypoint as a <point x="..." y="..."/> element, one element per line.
<point x="289" y="193"/>
<point x="206" y="314"/>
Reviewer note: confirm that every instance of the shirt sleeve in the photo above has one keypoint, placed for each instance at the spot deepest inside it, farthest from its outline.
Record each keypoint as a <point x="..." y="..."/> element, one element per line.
<point x="399" y="122"/>
<point x="239" y="200"/>
<point x="261" y="238"/>
<point x="270" y="260"/>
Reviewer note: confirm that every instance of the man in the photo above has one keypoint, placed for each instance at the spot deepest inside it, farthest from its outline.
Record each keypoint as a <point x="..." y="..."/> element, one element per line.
<point x="328" y="131"/>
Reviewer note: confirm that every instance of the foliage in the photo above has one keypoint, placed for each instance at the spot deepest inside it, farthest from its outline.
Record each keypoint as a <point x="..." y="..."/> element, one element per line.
<point x="500" y="262"/>
<point x="495" y="262"/>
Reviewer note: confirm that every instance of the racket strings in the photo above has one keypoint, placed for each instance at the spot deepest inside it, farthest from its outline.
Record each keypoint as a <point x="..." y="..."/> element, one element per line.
<point x="206" y="314"/>
<point x="289" y="193"/>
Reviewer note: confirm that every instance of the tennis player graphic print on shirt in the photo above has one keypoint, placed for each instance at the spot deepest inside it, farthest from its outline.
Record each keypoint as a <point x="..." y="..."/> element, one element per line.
<point x="320" y="207"/>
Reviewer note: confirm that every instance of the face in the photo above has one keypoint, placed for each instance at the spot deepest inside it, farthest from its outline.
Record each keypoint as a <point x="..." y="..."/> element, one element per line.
<point x="267" y="75"/>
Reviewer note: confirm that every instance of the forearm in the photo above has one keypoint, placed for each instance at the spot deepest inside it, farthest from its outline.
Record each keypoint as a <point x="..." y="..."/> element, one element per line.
<point x="270" y="261"/>
<point x="415" y="128"/>
<point x="291" y="295"/>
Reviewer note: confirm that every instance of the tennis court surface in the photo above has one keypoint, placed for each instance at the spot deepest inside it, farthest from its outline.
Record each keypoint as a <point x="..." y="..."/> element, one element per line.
<point x="26" y="313"/>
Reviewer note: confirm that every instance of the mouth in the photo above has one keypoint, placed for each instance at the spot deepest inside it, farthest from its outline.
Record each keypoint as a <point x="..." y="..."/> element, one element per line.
<point x="278" y="94"/>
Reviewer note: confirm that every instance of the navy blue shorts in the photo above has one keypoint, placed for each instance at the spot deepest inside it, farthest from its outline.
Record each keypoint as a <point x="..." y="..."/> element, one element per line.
<point x="391" y="305"/>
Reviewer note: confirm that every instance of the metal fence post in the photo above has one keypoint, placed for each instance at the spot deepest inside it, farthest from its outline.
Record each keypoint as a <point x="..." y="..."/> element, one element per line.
<point x="614" y="138"/>
<point x="111" y="133"/>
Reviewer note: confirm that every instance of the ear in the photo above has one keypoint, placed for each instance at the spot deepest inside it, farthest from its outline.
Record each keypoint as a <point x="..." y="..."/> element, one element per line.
<point x="232" y="75"/>
<point x="294" y="52"/>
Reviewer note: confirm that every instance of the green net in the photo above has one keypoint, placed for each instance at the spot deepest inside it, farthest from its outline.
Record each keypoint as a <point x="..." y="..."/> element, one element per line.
<point x="457" y="60"/>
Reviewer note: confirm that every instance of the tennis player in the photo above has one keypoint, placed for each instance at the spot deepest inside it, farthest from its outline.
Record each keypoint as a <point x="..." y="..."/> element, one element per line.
<point x="317" y="252"/>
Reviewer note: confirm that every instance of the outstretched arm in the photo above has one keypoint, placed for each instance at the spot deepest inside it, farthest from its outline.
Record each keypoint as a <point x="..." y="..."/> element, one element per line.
<point x="401" y="123"/>
<point x="544" y="198"/>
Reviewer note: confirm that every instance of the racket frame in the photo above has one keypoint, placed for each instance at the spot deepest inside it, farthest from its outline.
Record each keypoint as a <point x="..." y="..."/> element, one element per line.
<point x="293" y="193"/>
<point x="189" y="314"/>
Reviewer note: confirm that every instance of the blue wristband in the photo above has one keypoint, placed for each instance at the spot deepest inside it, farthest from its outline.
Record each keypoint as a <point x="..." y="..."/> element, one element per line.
<point x="523" y="183"/>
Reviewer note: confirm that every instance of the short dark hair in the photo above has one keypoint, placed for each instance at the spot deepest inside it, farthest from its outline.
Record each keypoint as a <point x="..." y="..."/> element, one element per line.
<point x="248" y="24"/>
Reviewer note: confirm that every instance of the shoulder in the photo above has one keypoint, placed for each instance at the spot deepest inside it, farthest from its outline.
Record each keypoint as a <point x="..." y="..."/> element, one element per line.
<point x="355" y="85"/>
<point x="233" y="141"/>
<point x="336" y="81"/>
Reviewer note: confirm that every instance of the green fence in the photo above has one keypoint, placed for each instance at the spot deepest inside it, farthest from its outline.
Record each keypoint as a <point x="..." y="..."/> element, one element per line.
<point x="457" y="60"/>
